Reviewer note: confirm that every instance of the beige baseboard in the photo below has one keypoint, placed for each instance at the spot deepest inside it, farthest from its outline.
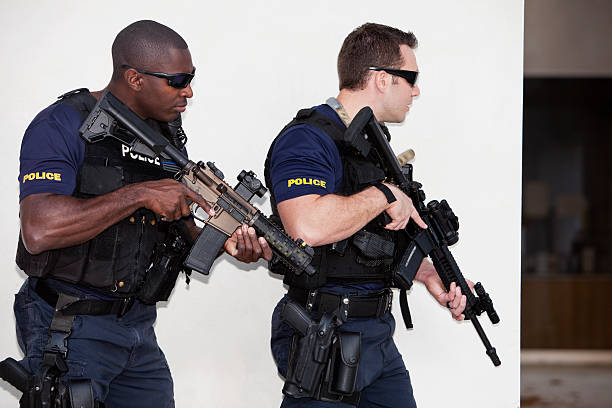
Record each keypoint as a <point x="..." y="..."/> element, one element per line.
<point x="566" y="357"/>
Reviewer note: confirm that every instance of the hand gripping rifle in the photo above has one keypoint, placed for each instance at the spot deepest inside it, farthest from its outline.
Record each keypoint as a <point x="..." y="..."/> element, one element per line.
<point x="432" y="241"/>
<point x="110" y="117"/>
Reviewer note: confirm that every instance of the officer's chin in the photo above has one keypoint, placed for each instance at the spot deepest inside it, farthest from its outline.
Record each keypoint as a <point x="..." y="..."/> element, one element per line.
<point x="169" y="117"/>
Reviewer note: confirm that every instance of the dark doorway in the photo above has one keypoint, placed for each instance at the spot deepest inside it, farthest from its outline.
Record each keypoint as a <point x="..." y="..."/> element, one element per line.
<point x="567" y="213"/>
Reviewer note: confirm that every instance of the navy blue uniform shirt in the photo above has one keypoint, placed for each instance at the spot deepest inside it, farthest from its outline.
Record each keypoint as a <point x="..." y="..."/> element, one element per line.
<point x="51" y="152"/>
<point x="305" y="160"/>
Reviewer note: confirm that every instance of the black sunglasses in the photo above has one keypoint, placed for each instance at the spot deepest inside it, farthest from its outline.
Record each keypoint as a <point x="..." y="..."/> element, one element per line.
<point x="174" y="80"/>
<point x="410" y="76"/>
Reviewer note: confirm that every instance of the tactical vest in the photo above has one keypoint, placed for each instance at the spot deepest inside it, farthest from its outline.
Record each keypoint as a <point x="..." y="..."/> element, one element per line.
<point x="114" y="261"/>
<point x="367" y="255"/>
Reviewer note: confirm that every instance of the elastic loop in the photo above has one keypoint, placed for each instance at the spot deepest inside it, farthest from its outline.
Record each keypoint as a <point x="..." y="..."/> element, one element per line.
<point x="386" y="191"/>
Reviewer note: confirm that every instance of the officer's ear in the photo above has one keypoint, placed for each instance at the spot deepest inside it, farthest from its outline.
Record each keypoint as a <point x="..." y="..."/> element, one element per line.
<point x="133" y="78"/>
<point x="380" y="80"/>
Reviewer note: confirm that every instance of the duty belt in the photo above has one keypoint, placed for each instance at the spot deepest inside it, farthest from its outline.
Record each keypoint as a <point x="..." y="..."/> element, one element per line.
<point x="93" y="307"/>
<point x="371" y="305"/>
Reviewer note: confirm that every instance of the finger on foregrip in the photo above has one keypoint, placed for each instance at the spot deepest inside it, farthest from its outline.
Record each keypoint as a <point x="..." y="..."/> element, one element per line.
<point x="247" y="243"/>
<point x="239" y="240"/>
<point x="254" y="243"/>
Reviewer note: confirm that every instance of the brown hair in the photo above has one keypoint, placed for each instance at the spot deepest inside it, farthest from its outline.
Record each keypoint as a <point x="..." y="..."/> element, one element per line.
<point x="370" y="45"/>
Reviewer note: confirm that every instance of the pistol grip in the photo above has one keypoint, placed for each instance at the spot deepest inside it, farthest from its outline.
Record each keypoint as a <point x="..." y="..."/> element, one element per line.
<point x="14" y="373"/>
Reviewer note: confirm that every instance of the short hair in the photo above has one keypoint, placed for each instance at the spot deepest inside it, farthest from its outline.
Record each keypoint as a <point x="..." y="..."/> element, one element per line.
<point x="370" y="45"/>
<point x="143" y="43"/>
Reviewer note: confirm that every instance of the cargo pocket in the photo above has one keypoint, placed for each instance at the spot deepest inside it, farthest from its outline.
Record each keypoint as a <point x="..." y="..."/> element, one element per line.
<point x="32" y="319"/>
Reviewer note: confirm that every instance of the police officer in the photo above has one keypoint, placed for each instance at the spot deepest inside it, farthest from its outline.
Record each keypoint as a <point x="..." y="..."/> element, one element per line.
<point x="91" y="216"/>
<point x="335" y="201"/>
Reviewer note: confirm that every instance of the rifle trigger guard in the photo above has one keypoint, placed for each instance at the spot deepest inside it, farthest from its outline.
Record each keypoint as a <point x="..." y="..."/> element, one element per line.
<point x="194" y="211"/>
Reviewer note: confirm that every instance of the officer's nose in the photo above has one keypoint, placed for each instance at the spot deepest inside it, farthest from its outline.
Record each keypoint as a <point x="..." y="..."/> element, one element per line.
<point x="187" y="92"/>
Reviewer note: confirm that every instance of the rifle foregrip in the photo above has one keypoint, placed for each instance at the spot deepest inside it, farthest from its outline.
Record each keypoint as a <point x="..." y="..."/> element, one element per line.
<point x="205" y="249"/>
<point x="449" y="272"/>
<point x="12" y="372"/>
<point x="295" y="255"/>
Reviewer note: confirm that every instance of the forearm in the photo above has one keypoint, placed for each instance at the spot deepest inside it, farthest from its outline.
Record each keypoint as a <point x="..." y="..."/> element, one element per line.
<point x="426" y="273"/>
<point x="50" y="221"/>
<point x="321" y="220"/>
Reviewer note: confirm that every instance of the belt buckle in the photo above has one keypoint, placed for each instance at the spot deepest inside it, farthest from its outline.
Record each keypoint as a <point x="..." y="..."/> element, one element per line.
<point x="126" y="305"/>
<point x="57" y="343"/>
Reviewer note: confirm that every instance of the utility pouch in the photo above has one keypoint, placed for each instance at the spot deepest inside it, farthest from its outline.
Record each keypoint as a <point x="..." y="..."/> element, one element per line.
<point x="373" y="249"/>
<point x="166" y="264"/>
<point x="343" y="365"/>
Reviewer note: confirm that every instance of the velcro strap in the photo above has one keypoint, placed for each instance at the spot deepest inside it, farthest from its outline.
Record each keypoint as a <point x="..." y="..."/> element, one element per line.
<point x="405" y="309"/>
<point x="386" y="191"/>
<point x="97" y="307"/>
<point x="372" y="305"/>
<point x="372" y="245"/>
<point x="62" y="323"/>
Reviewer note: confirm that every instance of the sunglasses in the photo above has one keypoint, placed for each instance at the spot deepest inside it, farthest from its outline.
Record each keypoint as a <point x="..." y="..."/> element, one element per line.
<point x="410" y="76"/>
<point x="174" y="80"/>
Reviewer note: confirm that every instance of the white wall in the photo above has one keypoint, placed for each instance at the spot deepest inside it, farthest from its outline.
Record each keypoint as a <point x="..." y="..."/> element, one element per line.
<point x="258" y="63"/>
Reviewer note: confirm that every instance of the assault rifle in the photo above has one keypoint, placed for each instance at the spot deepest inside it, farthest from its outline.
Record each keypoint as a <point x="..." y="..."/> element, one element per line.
<point x="111" y="118"/>
<point x="433" y="241"/>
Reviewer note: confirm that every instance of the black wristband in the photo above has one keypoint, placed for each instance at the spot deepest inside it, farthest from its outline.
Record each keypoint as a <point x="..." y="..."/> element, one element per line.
<point x="386" y="191"/>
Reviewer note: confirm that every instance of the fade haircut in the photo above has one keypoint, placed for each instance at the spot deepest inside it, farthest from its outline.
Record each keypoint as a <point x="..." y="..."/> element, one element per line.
<point x="370" y="45"/>
<point x="142" y="43"/>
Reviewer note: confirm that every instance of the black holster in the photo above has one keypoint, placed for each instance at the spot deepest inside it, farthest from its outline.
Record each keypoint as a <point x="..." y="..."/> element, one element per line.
<point x="323" y="362"/>
<point x="76" y="394"/>
<point x="166" y="264"/>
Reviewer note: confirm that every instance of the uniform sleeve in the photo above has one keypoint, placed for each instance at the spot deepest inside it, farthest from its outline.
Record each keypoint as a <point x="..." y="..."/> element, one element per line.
<point x="51" y="153"/>
<point x="304" y="161"/>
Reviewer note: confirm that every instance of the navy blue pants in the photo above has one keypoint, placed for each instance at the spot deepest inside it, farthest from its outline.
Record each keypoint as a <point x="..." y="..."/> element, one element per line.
<point x="120" y="355"/>
<point x="382" y="377"/>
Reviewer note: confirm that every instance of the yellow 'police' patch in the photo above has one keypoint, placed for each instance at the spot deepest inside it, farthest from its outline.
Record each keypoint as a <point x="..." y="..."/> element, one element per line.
<point x="42" y="175"/>
<point x="306" y="181"/>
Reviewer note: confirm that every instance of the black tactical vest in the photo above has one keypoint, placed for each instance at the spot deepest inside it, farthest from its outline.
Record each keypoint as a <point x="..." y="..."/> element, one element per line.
<point x="114" y="261"/>
<point x="351" y="260"/>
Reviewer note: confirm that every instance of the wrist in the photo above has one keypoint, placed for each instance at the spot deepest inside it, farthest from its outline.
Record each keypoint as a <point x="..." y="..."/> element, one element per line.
<point x="135" y="194"/>
<point x="386" y="191"/>
<point x="426" y="273"/>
